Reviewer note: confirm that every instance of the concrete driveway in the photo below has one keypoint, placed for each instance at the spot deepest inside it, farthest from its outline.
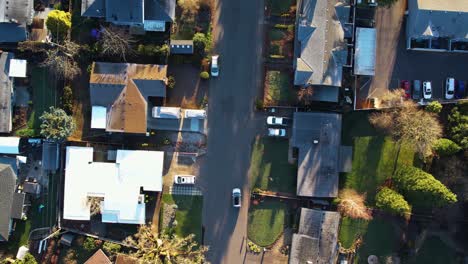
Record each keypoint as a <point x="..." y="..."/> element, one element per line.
<point x="232" y="126"/>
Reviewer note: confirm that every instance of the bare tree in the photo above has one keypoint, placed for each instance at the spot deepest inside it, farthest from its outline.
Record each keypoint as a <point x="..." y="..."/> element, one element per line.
<point x="189" y="9"/>
<point x="404" y="121"/>
<point x="352" y="204"/>
<point x="62" y="65"/>
<point x="116" y="41"/>
<point x="304" y="95"/>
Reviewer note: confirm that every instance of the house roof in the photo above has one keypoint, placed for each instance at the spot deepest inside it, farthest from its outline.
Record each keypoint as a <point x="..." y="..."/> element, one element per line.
<point x="318" y="164"/>
<point x="6" y="86"/>
<point x="181" y="46"/>
<point x="316" y="240"/>
<point x="17" y="205"/>
<point x="18" y="11"/>
<point x="161" y="10"/>
<point x="17" y="68"/>
<point x="12" y="32"/>
<point x="124" y="11"/>
<point x="98" y="258"/>
<point x="364" y="55"/>
<point x="436" y="18"/>
<point x="9" y="145"/>
<point x="50" y="156"/>
<point x="93" y="8"/>
<point x="125" y="259"/>
<point x="123" y="89"/>
<point x="320" y="48"/>
<point x="7" y="190"/>
<point x="118" y="183"/>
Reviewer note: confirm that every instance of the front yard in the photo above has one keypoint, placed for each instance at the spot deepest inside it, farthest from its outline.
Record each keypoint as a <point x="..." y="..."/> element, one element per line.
<point x="278" y="88"/>
<point x="188" y="214"/>
<point x="267" y="221"/>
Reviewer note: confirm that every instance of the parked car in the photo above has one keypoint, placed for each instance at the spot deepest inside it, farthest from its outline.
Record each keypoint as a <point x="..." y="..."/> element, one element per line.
<point x="184" y="179"/>
<point x="236" y="197"/>
<point x="406" y="86"/>
<point x="276" y="132"/>
<point x="416" y="89"/>
<point x="460" y="90"/>
<point x="427" y="90"/>
<point x="449" y="88"/>
<point x="277" y="120"/>
<point x="214" y="66"/>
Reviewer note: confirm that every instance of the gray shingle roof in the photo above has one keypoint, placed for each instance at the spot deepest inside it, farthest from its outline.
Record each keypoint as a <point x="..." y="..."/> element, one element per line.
<point x="6" y="85"/>
<point x="163" y="10"/>
<point x="437" y="18"/>
<point x="17" y="205"/>
<point x="318" y="164"/>
<point x="12" y="32"/>
<point x="124" y="11"/>
<point x="317" y="238"/>
<point x="93" y="8"/>
<point x="320" y="48"/>
<point x="7" y="189"/>
<point x="19" y="11"/>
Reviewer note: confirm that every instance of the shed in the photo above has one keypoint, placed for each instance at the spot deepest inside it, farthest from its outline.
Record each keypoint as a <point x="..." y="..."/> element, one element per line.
<point x="166" y="112"/>
<point x="364" y="56"/>
<point x="50" y="156"/>
<point x="181" y="46"/>
<point x="17" y="68"/>
<point x="9" y="145"/>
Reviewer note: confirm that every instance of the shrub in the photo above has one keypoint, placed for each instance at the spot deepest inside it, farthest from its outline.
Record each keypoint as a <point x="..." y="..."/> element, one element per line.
<point x="89" y="244"/>
<point x="67" y="99"/>
<point x="434" y="107"/>
<point x="421" y="188"/>
<point x="277" y="56"/>
<point x="458" y="124"/>
<point x="259" y="104"/>
<point x="253" y="247"/>
<point x="446" y="147"/>
<point x="204" y="75"/>
<point x="201" y="43"/>
<point x="281" y="26"/>
<point x="58" y="22"/>
<point x="171" y="82"/>
<point x="25" y="132"/>
<point x="111" y="248"/>
<point x="392" y="202"/>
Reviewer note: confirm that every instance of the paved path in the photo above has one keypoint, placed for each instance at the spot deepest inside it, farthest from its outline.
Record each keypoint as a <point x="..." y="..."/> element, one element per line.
<point x="232" y="126"/>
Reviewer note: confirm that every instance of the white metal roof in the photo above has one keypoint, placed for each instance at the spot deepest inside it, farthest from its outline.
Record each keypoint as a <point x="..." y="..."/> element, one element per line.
<point x="364" y="56"/>
<point x="166" y="112"/>
<point x="17" y="68"/>
<point x="118" y="183"/>
<point x="98" y="117"/>
<point x="9" y="145"/>
<point x="194" y="113"/>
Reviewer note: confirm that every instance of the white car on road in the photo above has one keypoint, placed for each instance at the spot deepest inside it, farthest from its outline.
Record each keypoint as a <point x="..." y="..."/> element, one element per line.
<point x="184" y="179"/>
<point x="236" y="197"/>
<point x="427" y="90"/>
<point x="276" y="132"/>
<point x="214" y="66"/>
<point x="277" y="120"/>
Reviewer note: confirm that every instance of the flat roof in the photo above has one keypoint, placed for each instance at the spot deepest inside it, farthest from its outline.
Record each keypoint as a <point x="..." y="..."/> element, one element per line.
<point x="117" y="183"/>
<point x="364" y="56"/>
<point x="443" y="5"/>
<point x="317" y="136"/>
<point x="98" y="117"/>
<point x="17" y="68"/>
<point x="9" y="145"/>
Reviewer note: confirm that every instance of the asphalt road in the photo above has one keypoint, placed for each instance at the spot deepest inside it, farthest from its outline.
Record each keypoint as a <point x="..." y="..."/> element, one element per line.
<point x="232" y="126"/>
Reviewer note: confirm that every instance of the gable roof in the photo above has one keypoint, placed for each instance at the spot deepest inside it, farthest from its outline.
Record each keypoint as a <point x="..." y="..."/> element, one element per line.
<point x="6" y="86"/>
<point x="125" y="11"/>
<point x="162" y="10"/>
<point x="317" y="238"/>
<point x="17" y="11"/>
<point x="124" y="89"/>
<point x="93" y="8"/>
<point x="320" y="48"/>
<point x="318" y="164"/>
<point x="7" y="190"/>
<point x="17" y="205"/>
<point x="118" y="183"/>
<point x="12" y="32"/>
<point x="98" y="258"/>
<point x="436" y="18"/>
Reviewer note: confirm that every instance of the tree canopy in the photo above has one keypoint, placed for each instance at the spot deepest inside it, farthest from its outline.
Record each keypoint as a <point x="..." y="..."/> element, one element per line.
<point x="352" y="204"/>
<point x="421" y="188"/>
<point x="58" y="22"/>
<point x="56" y="124"/>
<point x="446" y="147"/>
<point x="392" y="202"/>
<point x="153" y="247"/>
<point x="458" y="124"/>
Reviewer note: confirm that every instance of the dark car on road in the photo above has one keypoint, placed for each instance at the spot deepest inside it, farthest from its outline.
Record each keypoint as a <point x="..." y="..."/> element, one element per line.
<point x="406" y="86"/>
<point x="416" y="89"/>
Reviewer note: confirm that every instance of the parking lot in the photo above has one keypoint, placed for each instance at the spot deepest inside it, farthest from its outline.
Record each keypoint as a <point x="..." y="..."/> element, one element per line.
<point x="395" y="63"/>
<point x="282" y="115"/>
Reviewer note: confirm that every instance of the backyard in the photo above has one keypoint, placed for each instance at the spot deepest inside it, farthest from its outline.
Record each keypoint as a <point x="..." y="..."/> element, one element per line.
<point x="267" y="221"/>
<point x="278" y="88"/>
<point x="375" y="158"/>
<point x="188" y="214"/>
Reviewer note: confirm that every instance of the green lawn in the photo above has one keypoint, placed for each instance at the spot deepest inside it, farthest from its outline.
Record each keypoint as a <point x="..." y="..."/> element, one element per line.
<point x="188" y="214"/>
<point x="278" y="87"/>
<point x="435" y="251"/>
<point x="278" y="7"/>
<point x="269" y="167"/>
<point x="266" y="222"/>
<point x="44" y="96"/>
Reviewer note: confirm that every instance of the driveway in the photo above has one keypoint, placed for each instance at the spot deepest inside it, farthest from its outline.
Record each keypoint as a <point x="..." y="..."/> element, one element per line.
<point x="232" y="126"/>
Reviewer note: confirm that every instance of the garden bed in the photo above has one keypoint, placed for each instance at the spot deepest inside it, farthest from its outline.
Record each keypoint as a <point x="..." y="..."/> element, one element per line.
<point x="279" y="89"/>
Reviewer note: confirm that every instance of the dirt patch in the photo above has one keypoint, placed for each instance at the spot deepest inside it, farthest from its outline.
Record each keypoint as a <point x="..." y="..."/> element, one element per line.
<point x="168" y="216"/>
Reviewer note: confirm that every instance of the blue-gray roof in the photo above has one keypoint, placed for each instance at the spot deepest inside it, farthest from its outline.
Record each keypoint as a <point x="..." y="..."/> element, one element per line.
<point x="125" y="12"/>
<point x="50" y="156"/>
<point x="181" y="46"/>
<point x="93" y="8"/>
<point x="162" y="10"/>
<point x="12" y="32"/>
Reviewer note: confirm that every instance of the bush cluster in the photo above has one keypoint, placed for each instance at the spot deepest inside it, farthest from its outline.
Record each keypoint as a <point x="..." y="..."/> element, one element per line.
<point x="392" y="202"/>
<point x="253" y="247"/>
<point x="446" y="147"/>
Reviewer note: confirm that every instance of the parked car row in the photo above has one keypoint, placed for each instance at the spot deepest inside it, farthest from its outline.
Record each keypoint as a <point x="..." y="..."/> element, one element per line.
<point x="278" y="122"/>
<point x="453" y="89"/>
